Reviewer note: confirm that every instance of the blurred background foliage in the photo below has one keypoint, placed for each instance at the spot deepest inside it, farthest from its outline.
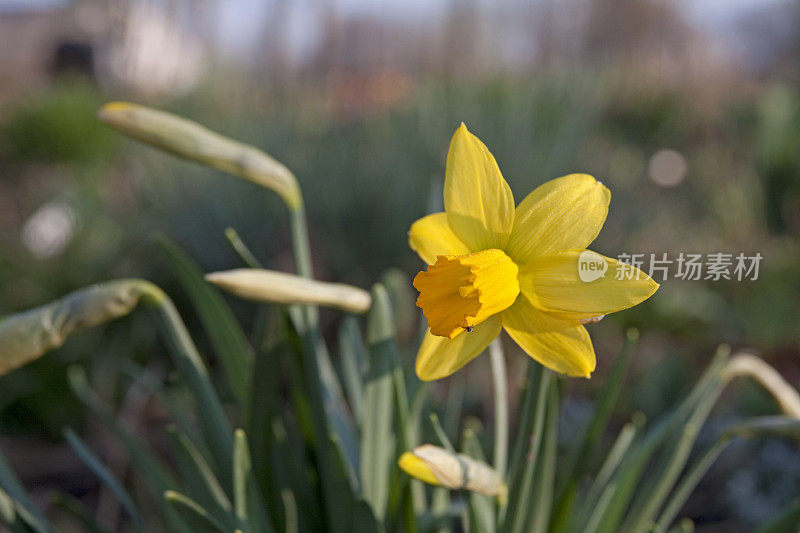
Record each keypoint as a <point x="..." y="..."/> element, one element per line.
<point x="688" y="112"/>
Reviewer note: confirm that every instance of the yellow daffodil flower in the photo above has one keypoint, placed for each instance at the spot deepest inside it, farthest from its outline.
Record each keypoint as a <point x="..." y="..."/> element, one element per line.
<point x="525" y="270"/>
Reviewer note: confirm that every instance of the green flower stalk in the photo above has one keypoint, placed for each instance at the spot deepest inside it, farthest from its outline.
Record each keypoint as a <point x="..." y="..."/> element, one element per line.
<point x="26" y="336"/>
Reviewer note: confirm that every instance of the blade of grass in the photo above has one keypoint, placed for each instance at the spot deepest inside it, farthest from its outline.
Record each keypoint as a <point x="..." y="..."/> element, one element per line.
<point x="290" y="511"/>
<point x="192" y="513"/>
<point x="629" y="474"/>
<point x="241" y="249"/>
<point x="407" y="440"/>
<point x="213" y="420"/>
<point x="241" y="471"/>
<point x="618" y="451"/>
<point x="338" y="421"/>
<point x="248" y="503"/>
<point x="377" y="443"/>
<point x="483" y="515"/>
<point x="271" y="456"/>
<point x="441" y="434"/>
<point x="584" y="451"/>
<point x="292" y="475"/>
<point x="151" y="383"/>
<point x="688" y="484"/>
<point x="77" y="509"/>
<point x="152" y="471"/>
<point x="8" y="516"/>
<point x="519" y="497"/>
<point x="227" y="337"/>
<point x="105" y="475"/>
<point x="524" y="424"/>
<point x="595" y="518"/>
<point x="199" y="478"/>
<point x="351" y="351"/>
<point x="780" y="426"/>
<point x="23" y="506"/>
<point x="147" y="464"/>
<point x="337" y="486"/>
<point x="666" y="479"/>
<point x="545" y="472"/>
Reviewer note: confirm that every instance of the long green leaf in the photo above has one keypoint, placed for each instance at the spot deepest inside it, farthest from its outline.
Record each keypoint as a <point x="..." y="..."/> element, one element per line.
<point x="351" y="351"/>
<point x="151" y="383"/>
<point x="8" y="516"/>
<point x="105" y="475"/>
<point x="584" y="450"/>
<point x="241" y="249"/>
<point x="248" y="503"/>
<point x="519" y="504"/>
<point x="225" y="333"/>
<point x="546" y="469"/>
<point x="241" y="472"/>
<point x="273" y="461"/>
<point x="213" y="420"/>
<point x="337" y="487"/>
<point x="152" y="471"/>
<point x="524" y="424"/>
<point x="629" y="474"/>
<point x="688" y="484"/>
<point x="192" y="513"/>
<point x="781" y="426"/>
<point x="23" y="506"/>
<point x="615" y="456"/>
<point x="483" y="515"/>
<point x="77" y="509"/>
<point x="198" y="477"/>
<point x="376" y="437"/>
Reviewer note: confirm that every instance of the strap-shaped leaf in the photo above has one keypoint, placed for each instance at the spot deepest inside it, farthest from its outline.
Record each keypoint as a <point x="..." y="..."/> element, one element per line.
<point x="583" y="451"/>
<point x="152" y="471"/>
<point x="23" y="507"/>
<point x="192" y="513"/>
<point x="377" y="444"/>
<point x="351" y="352"/>
<point x="225" y="333"/>
<point x="199" y="479"/>
<point x="541" y="510"/>
<point x="520" y="494"/>
<point x="482" y="511"/>
<point x="106" y="476"/>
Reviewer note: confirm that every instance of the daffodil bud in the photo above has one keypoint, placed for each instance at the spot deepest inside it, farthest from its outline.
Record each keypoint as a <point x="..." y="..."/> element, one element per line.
<point x="192" y="141"/>
<point x="26" y="336"/>
<point x="281" y="287"/>
<point x="744" y="364"/>
<point x="456" y="471"/>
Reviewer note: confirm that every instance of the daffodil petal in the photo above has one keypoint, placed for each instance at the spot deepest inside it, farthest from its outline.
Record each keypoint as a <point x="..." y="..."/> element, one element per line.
<point x="478" y="201"/>
<point x="556" y="284"/>
<point x="438" y="357"/>
<point x="560" y="344"/>
<point x="564" y="213"/>
<point x="431" y="237"/>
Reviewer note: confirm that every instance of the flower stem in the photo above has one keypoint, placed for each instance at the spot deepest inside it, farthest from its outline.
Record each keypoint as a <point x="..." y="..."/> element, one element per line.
<point x="301" y="246"/>
<point x="500" y="382"/>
